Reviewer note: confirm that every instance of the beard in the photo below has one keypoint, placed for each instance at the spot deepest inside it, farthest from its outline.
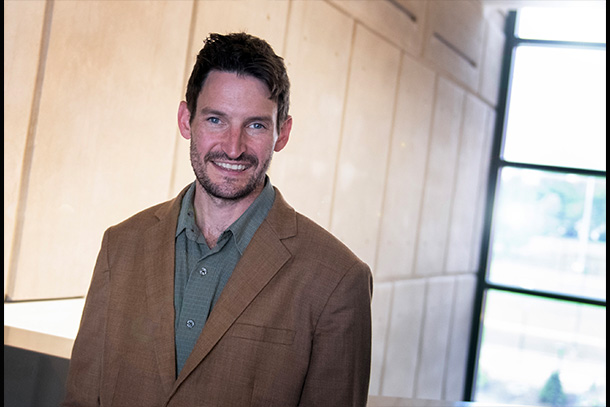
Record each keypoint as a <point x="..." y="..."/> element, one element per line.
<point x="229" y="189"/>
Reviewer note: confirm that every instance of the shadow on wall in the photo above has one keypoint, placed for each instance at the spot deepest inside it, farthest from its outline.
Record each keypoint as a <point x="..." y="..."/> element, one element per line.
<point x="33" y="379"/>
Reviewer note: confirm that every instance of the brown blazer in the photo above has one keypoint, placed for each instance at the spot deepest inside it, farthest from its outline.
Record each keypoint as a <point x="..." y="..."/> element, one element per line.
<point x="292" y="326"/>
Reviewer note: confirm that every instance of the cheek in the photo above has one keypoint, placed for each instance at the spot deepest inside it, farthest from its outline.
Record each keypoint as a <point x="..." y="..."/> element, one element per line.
<point x="264" y="150"/>
<point x="205" y="141"/>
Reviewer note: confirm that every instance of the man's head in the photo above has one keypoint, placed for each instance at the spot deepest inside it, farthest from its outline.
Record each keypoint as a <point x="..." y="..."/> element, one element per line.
<point x="242" y="54"/>
<point x="235" y="115"/>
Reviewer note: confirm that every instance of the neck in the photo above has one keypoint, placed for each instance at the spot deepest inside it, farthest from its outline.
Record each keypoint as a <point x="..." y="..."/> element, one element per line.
<point x="214" y="215"/>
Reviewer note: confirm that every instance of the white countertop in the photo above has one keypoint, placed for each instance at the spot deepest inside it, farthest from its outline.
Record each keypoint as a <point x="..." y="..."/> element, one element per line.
<point x="48" y="326"/>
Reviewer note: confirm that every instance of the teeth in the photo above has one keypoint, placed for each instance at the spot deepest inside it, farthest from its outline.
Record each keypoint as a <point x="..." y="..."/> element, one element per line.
<point x="232" y="167"/>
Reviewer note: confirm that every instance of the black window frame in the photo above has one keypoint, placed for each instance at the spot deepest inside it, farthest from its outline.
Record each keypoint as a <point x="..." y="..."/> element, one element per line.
<point x="497" y="163"/>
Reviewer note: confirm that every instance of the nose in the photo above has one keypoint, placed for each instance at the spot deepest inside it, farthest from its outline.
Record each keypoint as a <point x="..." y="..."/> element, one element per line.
<point x="234" y="143"/>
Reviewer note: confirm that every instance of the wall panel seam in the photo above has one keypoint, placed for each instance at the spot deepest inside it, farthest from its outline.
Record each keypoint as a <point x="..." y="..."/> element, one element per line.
<point x="28" y="154"/>
<point x="386" y="339"/>
<point x="454" y="183"/>
<point x="187" y="69"/>
<point x="342" y="128"/>
<point x="420" y="215"/>
<point x="287" y="28"/>
<point x="396" y="279"/>
<point x="388" y="157"/>
<point x="420" y="339"/>
<point x="452" y="318"/>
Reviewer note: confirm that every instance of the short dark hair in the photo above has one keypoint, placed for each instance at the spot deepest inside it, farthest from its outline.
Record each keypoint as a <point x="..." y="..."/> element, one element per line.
<point x="242" y="54"/>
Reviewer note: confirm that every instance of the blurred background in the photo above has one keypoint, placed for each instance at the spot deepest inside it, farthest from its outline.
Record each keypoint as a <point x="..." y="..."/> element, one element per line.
<point x="457" y="146"/>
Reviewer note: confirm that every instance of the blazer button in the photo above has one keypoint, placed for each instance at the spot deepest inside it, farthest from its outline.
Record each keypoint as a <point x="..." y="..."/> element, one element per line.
<point x="190" y="323"/>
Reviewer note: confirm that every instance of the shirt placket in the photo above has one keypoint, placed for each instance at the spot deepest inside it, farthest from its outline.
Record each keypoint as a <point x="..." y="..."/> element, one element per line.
<point x="197" y="302"/>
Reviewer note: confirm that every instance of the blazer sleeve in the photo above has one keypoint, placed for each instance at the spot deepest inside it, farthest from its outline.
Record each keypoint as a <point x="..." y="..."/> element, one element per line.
<point x="84" y="374"/>
<point x="340" y="362"/>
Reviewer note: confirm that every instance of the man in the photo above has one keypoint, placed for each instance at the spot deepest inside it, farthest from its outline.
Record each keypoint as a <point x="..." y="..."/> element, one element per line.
<point x="225" y="296"/>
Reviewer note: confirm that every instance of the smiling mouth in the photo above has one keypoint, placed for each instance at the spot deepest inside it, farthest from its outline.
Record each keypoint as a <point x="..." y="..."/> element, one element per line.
<point x="231" y="167"/>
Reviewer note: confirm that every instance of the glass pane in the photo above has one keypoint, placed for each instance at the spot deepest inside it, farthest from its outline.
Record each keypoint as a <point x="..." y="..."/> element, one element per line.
<point x="549" y="233"/>
<point x="582" y="24"/>
<point x="557" y="108"/>
<point x="554" y="356"/>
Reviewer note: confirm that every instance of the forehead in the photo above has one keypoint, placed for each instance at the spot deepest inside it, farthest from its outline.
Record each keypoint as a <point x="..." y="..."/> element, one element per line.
<point x="229" y="86"/>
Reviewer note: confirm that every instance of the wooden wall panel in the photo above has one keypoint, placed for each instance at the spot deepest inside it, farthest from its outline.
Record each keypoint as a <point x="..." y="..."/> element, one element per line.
<point x="380" y="309"/>
<point x="491" y="67"/>
<point x="23" y="22"/>
<point x="406" y="171"/>
<point x="465" y="198"/>
<point x="434" y="338"/>
<point x="459" y="339"/>
<point x="440" y="179"/>
<point x="404" y="338"/>
<point x="399" y="22"/>
<point x="454" y="39"/>
<point x="318" y="47"/>
<point x="363" y="154"/>
<point x="105" y="134"/>
<point x="263" y="18"/>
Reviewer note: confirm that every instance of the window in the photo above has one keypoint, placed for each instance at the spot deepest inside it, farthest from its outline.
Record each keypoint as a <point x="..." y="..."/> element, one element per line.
<point x="539" y="335"/>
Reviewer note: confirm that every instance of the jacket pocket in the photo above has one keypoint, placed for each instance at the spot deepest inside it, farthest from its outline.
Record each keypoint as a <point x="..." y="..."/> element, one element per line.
<point x="263" y="334"/>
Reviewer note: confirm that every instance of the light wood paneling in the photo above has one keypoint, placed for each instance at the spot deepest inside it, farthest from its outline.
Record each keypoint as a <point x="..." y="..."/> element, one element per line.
<point x="380" y="309"/>
<point x="105" y="134"/>
<point x="459" y="340"/>
<point x="454" y="39"/>
<point x="23" y="22"/>
<point x="434" y="338"/>
<point x="262" y="18"/>
<point x="399" y="22"/>
<point x="465" y="199"/>
<point x="491" y="67"/>
<point x="406" y="171"/>
<point x="440" y="179"/>
<point x="404" y="336"/>
<point x="317" y="55"/>
<point x="363" y="154"/>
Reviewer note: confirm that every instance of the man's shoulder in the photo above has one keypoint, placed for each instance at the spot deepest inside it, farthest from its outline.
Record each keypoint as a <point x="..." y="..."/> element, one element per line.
<point x="306" y="238"/>
<point x="150" y="216"/>
<point x="321" y="244"/>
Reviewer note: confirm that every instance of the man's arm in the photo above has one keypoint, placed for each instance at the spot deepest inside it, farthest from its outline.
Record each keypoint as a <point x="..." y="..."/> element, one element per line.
<point x="84" y="375"/>
<point x="339" y="367"/>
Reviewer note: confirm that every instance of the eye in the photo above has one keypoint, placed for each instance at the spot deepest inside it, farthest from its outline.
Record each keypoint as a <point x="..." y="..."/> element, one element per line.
<point x="257" y="126"/>
<point x="213" y="120"/>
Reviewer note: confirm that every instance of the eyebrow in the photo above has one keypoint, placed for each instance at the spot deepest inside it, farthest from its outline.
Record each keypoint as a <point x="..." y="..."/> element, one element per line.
<point x="206" y="111"/>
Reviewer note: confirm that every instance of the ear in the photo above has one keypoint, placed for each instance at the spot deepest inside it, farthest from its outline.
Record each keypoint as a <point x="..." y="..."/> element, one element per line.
<point x="184" y="120"/>
<point x="284" y="135"/>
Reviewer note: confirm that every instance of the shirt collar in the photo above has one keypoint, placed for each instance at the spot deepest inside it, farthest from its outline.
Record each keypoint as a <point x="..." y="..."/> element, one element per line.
<point x="245" y="226"/>
<point x="242" y="229"/>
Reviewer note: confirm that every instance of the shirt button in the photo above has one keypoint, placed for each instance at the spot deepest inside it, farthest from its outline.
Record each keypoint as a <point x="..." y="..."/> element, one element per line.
<point x="203" y="271"/>
<point x="190" y="323"/>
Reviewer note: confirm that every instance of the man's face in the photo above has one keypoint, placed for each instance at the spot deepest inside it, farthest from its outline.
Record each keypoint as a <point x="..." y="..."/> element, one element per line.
<point x="233" y="134"/>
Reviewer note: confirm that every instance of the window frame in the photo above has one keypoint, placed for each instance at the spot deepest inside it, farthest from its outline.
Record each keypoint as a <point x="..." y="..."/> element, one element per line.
<point x="497" y="163"/>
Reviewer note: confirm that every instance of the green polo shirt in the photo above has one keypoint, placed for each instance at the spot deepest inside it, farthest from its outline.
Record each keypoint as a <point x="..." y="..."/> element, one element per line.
<point x="201" y="273"/>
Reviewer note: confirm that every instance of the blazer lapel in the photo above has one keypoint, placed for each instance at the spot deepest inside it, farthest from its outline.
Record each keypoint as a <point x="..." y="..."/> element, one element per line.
<point x="159" y="267"/>
<point x="263" y="258"/>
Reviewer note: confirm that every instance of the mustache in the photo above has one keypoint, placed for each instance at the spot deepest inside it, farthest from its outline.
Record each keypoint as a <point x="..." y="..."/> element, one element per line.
<point x="243" y="158"/>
